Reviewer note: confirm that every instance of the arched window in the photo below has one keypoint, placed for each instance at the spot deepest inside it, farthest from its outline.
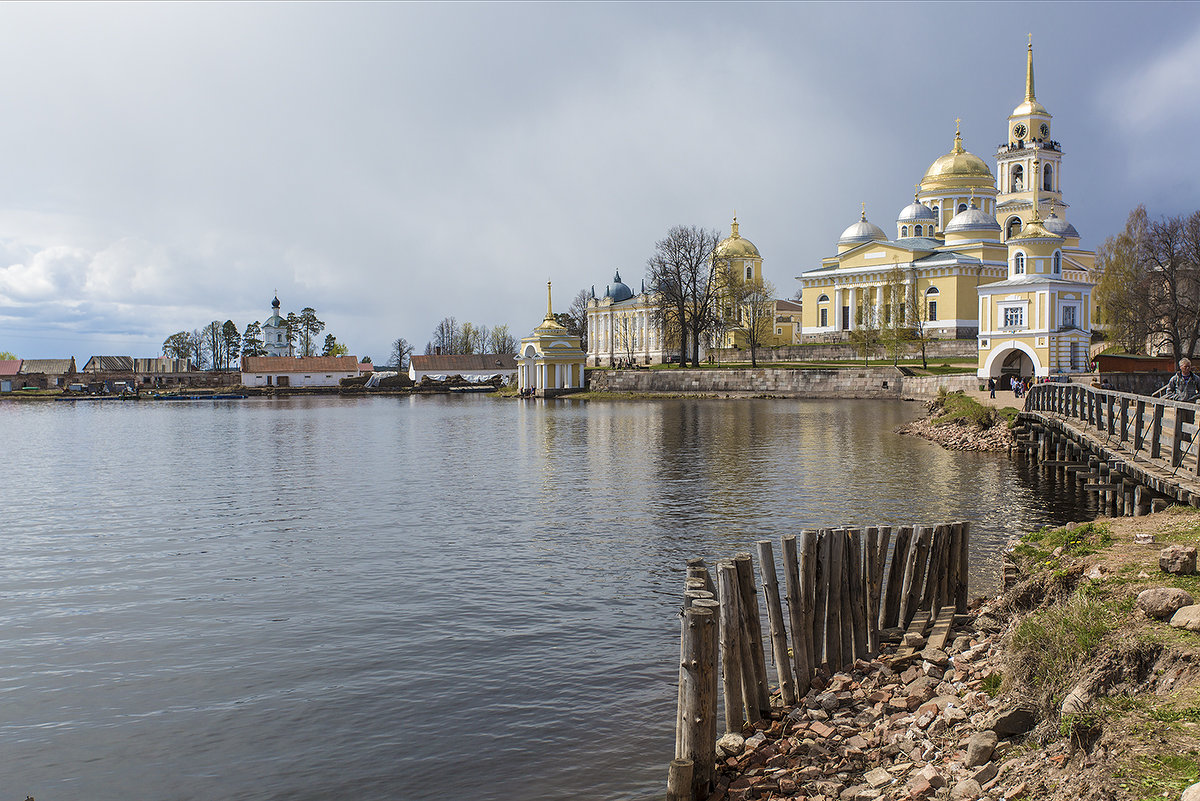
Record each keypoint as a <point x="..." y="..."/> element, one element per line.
<point x="749" y="273"/>
<point x="1057" y="262"/>
<point x="1018" y="178"/>
<point x="1019" y="264"/>
<point x="1012" y="227"/>
<point x="933" y="290"/>
<point x="916" y="230"/>
<point x="962" y="207"/>
<point x="823" y="299"/>
<point x="1048" y="179"/>
<point x="903" y="231"/>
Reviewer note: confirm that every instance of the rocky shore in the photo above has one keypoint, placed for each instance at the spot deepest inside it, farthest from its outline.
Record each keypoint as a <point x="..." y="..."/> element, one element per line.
<point x="960" y="423"/>
<point x="1081" y="680"/>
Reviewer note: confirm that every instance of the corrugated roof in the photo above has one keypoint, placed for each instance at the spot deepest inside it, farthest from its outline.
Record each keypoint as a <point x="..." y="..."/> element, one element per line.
<point x="307" y="364"/>
<point x="48" y="366"/>
<point x="475" y="362"/>
<point x="109" y="364"/>
<point x="788" y="305"/>
<point x="10" y="366"/>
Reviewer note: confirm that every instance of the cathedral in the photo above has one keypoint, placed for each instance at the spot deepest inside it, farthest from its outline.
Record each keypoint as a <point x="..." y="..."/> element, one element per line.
<point x="975" y="255"/>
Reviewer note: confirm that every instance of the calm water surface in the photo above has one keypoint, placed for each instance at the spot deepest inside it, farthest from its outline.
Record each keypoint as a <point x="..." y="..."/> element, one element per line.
<point x="407" y="598"/>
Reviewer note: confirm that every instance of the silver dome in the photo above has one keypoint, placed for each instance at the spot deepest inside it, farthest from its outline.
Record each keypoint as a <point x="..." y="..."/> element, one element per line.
<point x="862" y="231"/>
<point x="973" y="219"/>
<point x="1056" y="225"/>
<point x="618" y="291"/>
<point x="916" y="212"/>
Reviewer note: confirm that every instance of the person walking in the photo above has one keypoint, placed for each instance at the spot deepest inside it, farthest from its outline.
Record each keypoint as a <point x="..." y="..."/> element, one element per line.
<point x="992" y="386"/>
<point x="1184" y="385"/>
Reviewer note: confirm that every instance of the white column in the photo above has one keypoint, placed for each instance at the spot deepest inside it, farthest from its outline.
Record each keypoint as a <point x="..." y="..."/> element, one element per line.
<point x="837" y="309"/>
<point x="853" y="304"/>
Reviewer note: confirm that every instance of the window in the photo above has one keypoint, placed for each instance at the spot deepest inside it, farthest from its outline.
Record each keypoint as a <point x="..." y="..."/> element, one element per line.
<point x="1057" y="262"/>
<point x="1048" y="179"/>
<point x="933" y="290"/>
<point x="749" y="273"/>
<point x="962" y="207"/>
<point x="1019" y="264"/>
<point x="1013" y="227"/>
<point x="933" y="311"/>
<point x="917" y="231"/>
<point x="823" y="299"/>
<point x="1014" y="316"/>
<point x="1018" y="178"/>
<point x="903" y="231"/>
<point x="1069" y="317"/>
<point x="824" y="318"/>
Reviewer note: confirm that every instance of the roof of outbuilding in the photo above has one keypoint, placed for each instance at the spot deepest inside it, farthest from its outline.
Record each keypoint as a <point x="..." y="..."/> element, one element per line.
<point x="10" y="366"/>
<point x="307" y="364"/>
<point x="453" y="363"/>
<point x="48" y="366"/>
<point x="110" y="364"/>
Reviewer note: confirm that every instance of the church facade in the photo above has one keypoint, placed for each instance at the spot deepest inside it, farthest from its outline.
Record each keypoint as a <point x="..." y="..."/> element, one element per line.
<point x="971" y="250"/>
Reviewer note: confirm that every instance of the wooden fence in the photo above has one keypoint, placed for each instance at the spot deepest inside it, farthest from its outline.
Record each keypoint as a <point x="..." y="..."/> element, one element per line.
<point x="847" y="590"/>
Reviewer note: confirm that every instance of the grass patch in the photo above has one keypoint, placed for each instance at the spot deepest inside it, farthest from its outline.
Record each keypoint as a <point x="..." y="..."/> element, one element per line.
<point x="1051" y="646"/>
<point x="1160" y="775"/>
<point x="955" y="407"/>
<point x="1084" y="540"/>
<point x="991" y="684"/>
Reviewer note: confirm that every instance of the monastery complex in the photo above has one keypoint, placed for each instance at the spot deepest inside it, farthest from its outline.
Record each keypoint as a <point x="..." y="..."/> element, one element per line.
<point x="976" y="254"/>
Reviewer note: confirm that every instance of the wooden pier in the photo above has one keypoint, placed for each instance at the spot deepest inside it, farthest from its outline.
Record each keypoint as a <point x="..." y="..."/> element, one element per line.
<point x="1135" y="453"/>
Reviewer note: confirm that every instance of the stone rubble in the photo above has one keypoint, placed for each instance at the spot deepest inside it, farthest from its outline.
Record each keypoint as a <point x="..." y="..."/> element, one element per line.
<point x="915" y="729"/>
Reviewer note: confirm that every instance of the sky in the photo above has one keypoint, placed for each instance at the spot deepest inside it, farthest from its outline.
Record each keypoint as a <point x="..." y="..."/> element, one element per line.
<point x="166" y="165"/>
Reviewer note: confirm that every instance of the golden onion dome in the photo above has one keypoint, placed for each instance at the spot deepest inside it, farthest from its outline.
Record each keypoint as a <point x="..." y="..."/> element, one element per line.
<point x="1029" y="107"/>
<point x="736" y="246"/>
<point x="1035" y="229"/>
<point x="958" y="164"/>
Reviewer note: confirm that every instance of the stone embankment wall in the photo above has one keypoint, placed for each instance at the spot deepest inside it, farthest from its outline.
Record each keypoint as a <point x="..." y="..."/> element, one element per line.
<point x="874" y="382"/>
<point x="843" y="351"/>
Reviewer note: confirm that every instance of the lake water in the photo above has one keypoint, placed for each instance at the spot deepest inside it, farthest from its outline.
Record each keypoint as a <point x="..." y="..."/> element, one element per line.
<point x="408" y="598"/>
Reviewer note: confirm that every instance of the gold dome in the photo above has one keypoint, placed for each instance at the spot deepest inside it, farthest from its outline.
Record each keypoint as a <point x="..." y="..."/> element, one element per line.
<point x="959" y="166"/>
<point x="736" y="246"/>
<point x="1029" y="107"/>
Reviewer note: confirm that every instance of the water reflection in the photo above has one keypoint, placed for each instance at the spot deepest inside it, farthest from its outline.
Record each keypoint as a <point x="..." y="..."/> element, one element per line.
<point x="282" y="599"/>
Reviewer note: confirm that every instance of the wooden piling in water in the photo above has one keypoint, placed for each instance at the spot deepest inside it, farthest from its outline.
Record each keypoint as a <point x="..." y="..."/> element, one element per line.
<point x="847" y="611"/>
<point x="779" y="642"/>
<point x="800" y="634"/>
<point x="914" y="582"/>
<point x="889" y="615"/>
<point x="821" y="600"/>
<point x="731" y="648"/>
<point x="964" y="563"/>
<point x="679" y="780"/>
<point x="697" y="676"/>
<point x="752" y="632"/>
<point x="833" y="614"/>
<point x="857" y="596"/>
<point x="873" y="576"/>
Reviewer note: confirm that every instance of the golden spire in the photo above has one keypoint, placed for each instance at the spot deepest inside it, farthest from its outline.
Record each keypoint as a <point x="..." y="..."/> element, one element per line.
<point x="1029" y="72"/>
<point x="916" y="193"/>
<point x="958" y="148"/>
<point x="549" y="305"/>
<point x="864" y="212"/>
<point x="735" y="233"/>
<point x="972" y="202"/>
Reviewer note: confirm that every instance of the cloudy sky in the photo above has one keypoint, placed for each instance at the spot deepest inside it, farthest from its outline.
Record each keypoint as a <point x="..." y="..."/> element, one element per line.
<point x="166" y="165"/>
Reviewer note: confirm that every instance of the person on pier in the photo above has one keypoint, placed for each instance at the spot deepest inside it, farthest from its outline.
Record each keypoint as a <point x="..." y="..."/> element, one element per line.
<point x="1184" y="385"/>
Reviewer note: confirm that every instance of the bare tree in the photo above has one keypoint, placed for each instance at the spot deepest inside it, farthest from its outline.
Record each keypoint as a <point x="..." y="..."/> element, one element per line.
<point x="1123" y="292"/>
<point x="578" y="315"/>
<point x="750" y="308"/>
<point x="445" y="337"/>
<point x="401" y="351"/>
<point x="866" y="335"/>
<point x="501" y="341"/>
<point x="895" y="329"/>
<point x="918" y="316"/>
<point x="681" y="273"/>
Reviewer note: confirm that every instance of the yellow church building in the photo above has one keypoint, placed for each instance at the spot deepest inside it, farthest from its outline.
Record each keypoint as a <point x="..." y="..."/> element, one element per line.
<point x="975" y="255"/>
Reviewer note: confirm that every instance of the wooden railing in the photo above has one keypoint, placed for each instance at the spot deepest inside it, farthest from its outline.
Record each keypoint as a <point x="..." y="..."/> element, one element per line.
<point x="1162" y="431"/>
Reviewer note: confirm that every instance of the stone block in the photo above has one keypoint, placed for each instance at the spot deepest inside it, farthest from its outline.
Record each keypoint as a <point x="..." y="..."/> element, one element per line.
<point x="1187" y="617"/>
<point x="1178" y="559"/>
<point x="1163" y="602"/>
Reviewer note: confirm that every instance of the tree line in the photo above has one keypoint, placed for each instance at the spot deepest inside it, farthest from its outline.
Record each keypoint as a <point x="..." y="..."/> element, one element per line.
<point x="1149" y="290"/>
<point x="219" y="346"/>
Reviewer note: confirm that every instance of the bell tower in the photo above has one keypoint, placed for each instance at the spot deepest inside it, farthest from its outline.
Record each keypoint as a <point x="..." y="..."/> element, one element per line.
<point x="1027" y="166"/>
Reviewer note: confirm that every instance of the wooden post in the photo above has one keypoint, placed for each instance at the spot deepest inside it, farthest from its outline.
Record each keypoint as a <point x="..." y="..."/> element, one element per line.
<point x="679" y="780"/>
<point x="833" y="614"/>
<point x="697" y="569"/>
<point x="697" y="676"/>
<point x="821" y="600"/>
<point x="873" y="582"/>
<point x="752" y="626"/>
<point x="933" y="578"/>
<point x="1156" y="431"/>
<point x="808" y="594"/>
<point x="800" y="635"/>
<point x="952" y="564"/>
<point x="1177" y="438"/>
<point x="731" y="647"/>
<point x="889" y="615"/>
<point x="847" y="610"/>
<point x="964" y="565"/>
<point x="779" y="642"/>
<point x="914" y="582"/>
<point x="857" y="595"/>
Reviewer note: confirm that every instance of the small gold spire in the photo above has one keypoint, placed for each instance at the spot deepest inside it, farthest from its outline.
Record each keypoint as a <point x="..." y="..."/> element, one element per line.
<point x="916" y="193"/>
<point x="735" y="234"/>
<point x="1029" y="72"/>
<point x="958" y="146"/>
<point x="864" y="212"/>
<point x="549" y="305"/>
<point x="957" y="126"/>
<point x="972" y="201"/>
